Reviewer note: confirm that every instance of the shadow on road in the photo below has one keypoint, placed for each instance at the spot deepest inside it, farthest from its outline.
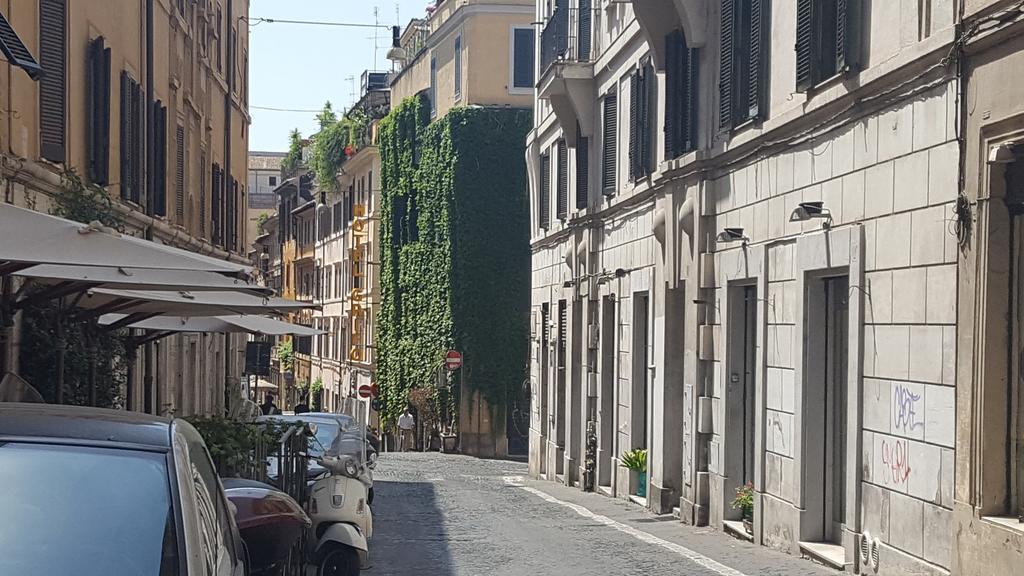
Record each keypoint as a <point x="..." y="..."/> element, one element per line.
<point x="409" y="536"/>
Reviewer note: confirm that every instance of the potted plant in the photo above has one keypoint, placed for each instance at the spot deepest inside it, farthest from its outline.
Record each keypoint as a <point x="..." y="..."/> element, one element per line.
<point x="744" y="502"/>
<point x="636" y="460"/>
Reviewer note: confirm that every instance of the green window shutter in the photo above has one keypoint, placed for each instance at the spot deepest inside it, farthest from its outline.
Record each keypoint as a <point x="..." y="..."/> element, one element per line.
<point x="98" y="94"/>
<point x="759" y="39"/>
<point x="804" y="45"/>
<point x="544" y="212"/>
<point x="634" y="128"/>
<point x="582" y="169"/>
<point x="562" y="207"/>
<point x="53" y="84"/>
<point x="726" y="79"/>
<point x="609" y="150"/>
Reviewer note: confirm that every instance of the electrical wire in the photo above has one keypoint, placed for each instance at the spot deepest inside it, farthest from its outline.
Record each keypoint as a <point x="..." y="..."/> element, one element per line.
<point x="314" y="23"/>
<point x="272" y="109"/>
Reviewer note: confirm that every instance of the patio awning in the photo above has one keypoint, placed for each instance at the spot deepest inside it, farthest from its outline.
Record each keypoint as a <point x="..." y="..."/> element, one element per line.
<point x="31" y="237"/>
<point x="224" y="324"/>
<point x="136" y="278"/>
<point x="182" y="303"/>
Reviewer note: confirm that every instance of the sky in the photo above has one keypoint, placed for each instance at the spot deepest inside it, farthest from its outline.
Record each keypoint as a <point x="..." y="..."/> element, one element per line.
<point x="299" y="67"/>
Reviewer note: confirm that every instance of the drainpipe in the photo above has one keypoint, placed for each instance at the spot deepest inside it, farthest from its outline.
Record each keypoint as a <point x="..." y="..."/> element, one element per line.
<point x="228" y="188"/>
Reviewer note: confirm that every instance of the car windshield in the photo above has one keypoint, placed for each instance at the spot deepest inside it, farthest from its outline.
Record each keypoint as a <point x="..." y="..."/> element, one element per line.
<point x="84" y="511"/>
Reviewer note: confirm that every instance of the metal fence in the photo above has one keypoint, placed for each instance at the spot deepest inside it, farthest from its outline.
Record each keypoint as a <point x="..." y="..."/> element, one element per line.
<point x="571" y="35"/>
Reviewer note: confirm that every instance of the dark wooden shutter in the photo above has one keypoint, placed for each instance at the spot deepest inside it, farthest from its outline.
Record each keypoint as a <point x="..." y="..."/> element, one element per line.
<point x="847" y="35"/>
<point x="584" y="34"/>
<point x="53" y="84"/>
<point x="673" y="95"/>
<point x="582" y="169"/>
<point x="649" y="99"/>
<point x="544" y="202"/>
<point x="14" y="49"/>
<point x="689" y="129"/>
<point x="563" y="321"/>
<point x="804" y="45"/>
<point x="233" y="215"/>
<point x="98" y="153"/>
<point x="159" y="140"/>
<point x="215" y="202"/>
<point x="634" y="125"/>
<point x="137" y="147"/>
<point x="179" y="174"/>
<point x="562" y="208"/>
<point x="758" y="72"/>
<point x="202" y="197"/>
<point x="125" y="137"/>
<point x="727" y="26"/>
<point x="131" y="139"/>
<point x="609" y="145"/>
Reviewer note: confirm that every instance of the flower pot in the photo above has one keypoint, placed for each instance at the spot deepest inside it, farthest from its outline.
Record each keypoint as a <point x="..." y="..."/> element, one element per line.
<point x="748" y="525"/>
<point x="641" y="485"/>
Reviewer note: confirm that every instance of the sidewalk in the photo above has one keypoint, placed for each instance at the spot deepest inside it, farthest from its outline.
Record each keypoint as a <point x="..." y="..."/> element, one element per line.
<point x="710" y="548"/>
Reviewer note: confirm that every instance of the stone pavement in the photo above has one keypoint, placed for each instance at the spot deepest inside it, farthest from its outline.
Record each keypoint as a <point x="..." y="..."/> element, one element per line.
<point x="458" y="516"/>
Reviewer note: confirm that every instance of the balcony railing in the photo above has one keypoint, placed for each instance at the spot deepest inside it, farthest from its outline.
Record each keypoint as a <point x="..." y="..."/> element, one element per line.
<point x="570" y="35"/>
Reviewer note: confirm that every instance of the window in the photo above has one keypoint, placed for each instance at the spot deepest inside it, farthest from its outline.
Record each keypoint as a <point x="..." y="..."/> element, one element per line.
<point x="609" y="148"/>
<point x="826" y="41"/>
<point x="202" y="198"/>
<point x="544" y="204"/>
<point x="273" y="181"/>
<point x="14" y="49"/>
<point x="523" y="58"/>
<point x="584" y="23"/>
<point x="179" y="175"/>
<point x="641" y="112"/>
<point x="742" y="86"/>
<point x="217" y="205"/>
<point x="562" y="201"/>
<point x="99" y="112"/>
<point x="53" y="83"/>
<point x="458" y="67"/>
<point x="433" y="86"/>
<point x="582" y="169"/>
<point x="159" y="129"/>
<point x="217" y="35"/>
<point x="680" y="96"/>
<point x="131" y="139"/>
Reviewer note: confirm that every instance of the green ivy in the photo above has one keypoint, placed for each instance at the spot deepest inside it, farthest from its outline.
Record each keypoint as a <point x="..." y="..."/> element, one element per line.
<point x="293" y="159"/>
<point x="455" y="261"/>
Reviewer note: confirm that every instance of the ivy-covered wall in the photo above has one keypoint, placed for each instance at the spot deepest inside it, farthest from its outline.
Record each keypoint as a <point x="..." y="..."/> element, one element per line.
<point x="455" y="255"/>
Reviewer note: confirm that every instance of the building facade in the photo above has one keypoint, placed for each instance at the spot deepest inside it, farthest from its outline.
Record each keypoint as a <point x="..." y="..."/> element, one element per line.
<point x="264" y="175"/>
<point x="147" y="100"/>
<point x="745" y="262"/>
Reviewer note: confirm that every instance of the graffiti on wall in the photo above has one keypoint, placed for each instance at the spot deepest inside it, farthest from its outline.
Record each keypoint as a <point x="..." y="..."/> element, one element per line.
<point x="906" y="410"/>
<point x="895" y="462"/>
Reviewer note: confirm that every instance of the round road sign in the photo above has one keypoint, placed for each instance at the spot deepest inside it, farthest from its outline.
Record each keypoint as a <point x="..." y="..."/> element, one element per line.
<point x="365" y="391"/>
<point x="453" y="360"/>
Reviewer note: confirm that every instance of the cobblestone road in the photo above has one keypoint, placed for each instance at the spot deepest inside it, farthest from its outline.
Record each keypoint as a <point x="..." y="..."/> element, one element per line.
<point x="457" y="516"/>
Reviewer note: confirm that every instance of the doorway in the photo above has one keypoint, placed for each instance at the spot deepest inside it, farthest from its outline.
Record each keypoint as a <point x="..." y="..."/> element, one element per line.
<point x="638" y="407"/>
<point x="606" y="407"/>
<point x="545" y="418"/>
<point x="825" y="405"/>
<point x="741" y="390"/>
<point x="561" y="350"/>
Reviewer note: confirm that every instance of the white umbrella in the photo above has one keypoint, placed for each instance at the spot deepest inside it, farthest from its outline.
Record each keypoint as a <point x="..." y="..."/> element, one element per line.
<point x="30" y="237"/>
<point x="207" y="324"/>
<point x="182" y="303"/>
<point x="77" y="278"/>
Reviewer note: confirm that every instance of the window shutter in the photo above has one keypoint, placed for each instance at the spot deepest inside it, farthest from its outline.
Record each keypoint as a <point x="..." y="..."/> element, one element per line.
<point x="804" y="48"/>
<point x="584" y="33"/>
<point x="634" y="138"/>
<point x="609" y="149"/>
<point x="125" y="139"/>
<point x="544" y="203"/>
<point x="523" y="53"/>
<point x="563" y="313"/>
<point x="758" y="62"/>
<point x="689" y="131"/>
<point x="582" y="169"/>
<point x="159" y="128"/>
<point x="563" y="181"/>
<point x="179" y="173"/>
<point x="233" y="215"/>
<point x="649" y="98"/>
<point x="458" y="66"/>
<point x="215" y="199"/>
<point x="847" y="35"/>
<point x="202" y="198"/>
<point x="53" y="84"/>
<point x="672" y="92"/>
<point x="137" y="146"/>
<point x="14" y="49"/>
<point x="727" y="27"/>
<point x="99" y="112"/>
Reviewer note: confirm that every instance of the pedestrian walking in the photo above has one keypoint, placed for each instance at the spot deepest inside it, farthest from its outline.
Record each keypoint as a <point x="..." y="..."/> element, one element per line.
<point x="406" y="423"/>
<point x="268" y="407"/>
<point x="301" y="407"/>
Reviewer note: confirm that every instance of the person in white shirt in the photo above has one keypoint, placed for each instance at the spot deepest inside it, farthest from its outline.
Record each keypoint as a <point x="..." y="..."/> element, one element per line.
<point x="406" y="423"/>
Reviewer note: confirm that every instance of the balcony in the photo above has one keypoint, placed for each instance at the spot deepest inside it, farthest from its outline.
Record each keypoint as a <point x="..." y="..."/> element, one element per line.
<point x="567" y="52"/>
<point x="658" y="18"/>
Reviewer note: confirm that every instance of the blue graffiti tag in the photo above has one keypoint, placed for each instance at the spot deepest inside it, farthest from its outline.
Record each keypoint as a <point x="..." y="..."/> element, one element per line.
<point x="904" y="409"/>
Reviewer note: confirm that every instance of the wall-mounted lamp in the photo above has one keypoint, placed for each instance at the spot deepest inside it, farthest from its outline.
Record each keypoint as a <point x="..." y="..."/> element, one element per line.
<point x="396" y="53"/>
<point x="1002" y="154"/>
<point x="809" y="210"/>
<point x="729" y="235"/>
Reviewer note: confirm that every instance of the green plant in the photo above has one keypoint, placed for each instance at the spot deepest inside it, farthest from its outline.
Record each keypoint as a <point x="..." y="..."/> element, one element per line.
<point x="86" y="203"/>
<point x="635" y="460"/>
<point x="316" y="387"/>
<point x="293" y="158"/>
<point x="233" y="444"/>
<point x="286" y="355"/>
<point x="455" y="256"/>
<point x="262" y="219"/>
<point x="744" y="500"/>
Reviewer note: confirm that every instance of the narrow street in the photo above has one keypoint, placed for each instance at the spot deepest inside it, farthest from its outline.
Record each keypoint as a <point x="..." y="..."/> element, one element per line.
<point x="460" y="516"/>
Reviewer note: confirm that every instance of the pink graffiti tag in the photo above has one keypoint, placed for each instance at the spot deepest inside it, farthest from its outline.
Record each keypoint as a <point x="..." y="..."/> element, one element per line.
<point x="897" y="457"/>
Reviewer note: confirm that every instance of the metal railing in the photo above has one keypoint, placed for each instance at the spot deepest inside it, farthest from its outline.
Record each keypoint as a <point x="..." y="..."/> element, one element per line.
<point x="570" y="35"/>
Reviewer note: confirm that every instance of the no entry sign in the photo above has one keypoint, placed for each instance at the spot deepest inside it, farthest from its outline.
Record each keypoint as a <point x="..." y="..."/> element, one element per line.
<point x="453" y="360"/>
<point x="365" y="391"/>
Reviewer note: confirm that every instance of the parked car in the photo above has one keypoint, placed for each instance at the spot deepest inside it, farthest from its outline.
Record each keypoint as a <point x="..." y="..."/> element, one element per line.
<point x="96" y="492"/>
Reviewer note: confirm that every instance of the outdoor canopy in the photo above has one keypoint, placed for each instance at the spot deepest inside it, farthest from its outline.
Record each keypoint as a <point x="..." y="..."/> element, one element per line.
<point x="207" y="324"/>
<point x="32" y="237"/>
<point x="83" y="277"/>
<point x="183" y="303"/>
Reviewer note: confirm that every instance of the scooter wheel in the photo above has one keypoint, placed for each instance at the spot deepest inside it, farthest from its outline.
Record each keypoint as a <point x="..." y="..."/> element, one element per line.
<point x="339" y="561"/>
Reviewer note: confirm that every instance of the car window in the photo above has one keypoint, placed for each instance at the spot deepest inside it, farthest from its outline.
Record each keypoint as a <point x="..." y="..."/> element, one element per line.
<point x="214" y="515"/>
<point x="85" y="511"/>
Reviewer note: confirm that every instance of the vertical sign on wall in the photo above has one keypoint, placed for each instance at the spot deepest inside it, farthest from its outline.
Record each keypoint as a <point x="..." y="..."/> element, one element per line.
<point x="357" y="296"/>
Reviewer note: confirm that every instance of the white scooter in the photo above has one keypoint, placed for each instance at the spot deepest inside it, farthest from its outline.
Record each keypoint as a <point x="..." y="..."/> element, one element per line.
<point x="342" y="521"/>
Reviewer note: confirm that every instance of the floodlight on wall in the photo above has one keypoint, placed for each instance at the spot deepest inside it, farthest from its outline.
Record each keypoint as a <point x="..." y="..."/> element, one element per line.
<point x="396" y="53"/>
<point x="810" y="210"/>
<point x="729" y="235"/>
<point x="1002" y="154"/>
